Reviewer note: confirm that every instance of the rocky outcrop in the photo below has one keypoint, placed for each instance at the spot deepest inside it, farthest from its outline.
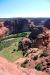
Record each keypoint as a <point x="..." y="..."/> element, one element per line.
<point x="26" y="42"/>
<point x="38" y="38"/>
<point x="40" y="53"/>
<point x="42" y="40"/>
<point x="3" y="30"/>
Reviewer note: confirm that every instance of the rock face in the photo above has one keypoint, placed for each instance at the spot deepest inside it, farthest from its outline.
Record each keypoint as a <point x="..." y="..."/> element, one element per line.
<point x="42" y="40"/>
<point x="8" y="68"/>
<point x="3" y="30"/>
<point x="16" y="26"/>
<point x="25" y="43"/>
<point x="40" y="52"/>
<point x="38" y="38"/>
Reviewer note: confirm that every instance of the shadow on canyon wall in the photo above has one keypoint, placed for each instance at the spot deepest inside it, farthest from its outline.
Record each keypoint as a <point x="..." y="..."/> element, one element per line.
<point x="13" y="26"/>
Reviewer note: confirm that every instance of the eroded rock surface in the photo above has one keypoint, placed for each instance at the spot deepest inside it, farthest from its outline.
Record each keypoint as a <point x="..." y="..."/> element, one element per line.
<point x="3" y="30"/>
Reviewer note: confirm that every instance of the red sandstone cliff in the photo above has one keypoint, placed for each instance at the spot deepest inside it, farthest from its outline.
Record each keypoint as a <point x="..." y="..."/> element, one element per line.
<point x="3" y="30"/>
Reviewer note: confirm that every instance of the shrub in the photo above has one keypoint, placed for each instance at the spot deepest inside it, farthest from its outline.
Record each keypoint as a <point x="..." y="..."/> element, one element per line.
<point x="26" y="61"/>
<point x="44" y="54"/>
<point x="20" y="47"/>
<point x="46" y="60"/>
<point x="38" y="66"/>
<point x="23" y="34"/>
<point x="41" y="55"/>
<point x="35" y="57"/>
<point x="24" y="64"/>
<point x="14" y="49"/>
<point x="34" y="51"/>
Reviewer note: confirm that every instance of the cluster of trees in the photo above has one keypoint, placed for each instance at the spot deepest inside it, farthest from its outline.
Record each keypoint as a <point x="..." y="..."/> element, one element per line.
<point x="6" y="43"/>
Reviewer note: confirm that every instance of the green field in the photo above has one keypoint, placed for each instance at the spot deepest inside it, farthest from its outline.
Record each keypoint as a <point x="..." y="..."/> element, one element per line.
<point x="8" y="45"/>
<point x="8" y="51"/>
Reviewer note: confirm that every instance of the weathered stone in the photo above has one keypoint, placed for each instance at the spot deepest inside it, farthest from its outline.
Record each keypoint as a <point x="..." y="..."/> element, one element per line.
<point x="3" y="30"/>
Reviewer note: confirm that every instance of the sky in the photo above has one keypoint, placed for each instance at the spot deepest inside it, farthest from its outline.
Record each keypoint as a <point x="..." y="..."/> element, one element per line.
<point x="24" y="8"/>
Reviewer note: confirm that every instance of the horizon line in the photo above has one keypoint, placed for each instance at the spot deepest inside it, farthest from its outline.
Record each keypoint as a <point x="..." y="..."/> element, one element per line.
<point x="24" y="17"/>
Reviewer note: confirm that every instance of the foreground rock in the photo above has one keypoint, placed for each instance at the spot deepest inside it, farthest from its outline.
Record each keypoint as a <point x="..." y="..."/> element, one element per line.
<point x="3" y="30"/>
<point x="8" y="68"/>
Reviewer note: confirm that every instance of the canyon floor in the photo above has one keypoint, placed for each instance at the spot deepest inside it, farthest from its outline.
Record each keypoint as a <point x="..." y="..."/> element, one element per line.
<point x="11" y="59"/>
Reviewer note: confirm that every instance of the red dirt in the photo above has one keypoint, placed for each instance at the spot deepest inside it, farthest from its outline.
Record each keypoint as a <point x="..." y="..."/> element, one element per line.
<point x="8" y="68"/>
